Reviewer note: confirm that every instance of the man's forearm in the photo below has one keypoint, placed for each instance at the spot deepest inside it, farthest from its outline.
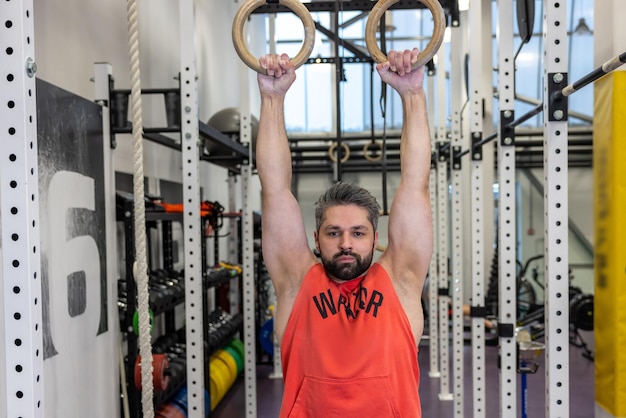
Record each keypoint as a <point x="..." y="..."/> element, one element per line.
<point x="273" y="155"/>
<point x="415" y="143"/>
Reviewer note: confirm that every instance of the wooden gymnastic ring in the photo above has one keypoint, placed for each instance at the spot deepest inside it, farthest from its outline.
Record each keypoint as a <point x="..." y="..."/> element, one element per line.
<point x="435" y="41"/>
<point x="366" y="149"/>
<point x="244" y="13"/>
<point x="333" y="148"/>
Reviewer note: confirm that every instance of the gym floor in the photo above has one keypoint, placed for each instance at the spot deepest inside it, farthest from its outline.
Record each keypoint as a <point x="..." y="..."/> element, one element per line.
<point x="269" y="391"/>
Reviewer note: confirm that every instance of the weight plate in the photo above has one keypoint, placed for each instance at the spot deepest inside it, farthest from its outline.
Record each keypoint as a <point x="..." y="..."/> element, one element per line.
<point x="265" y="337"/>
<point x="235" y="355"/>
<point x="136" y="321"/>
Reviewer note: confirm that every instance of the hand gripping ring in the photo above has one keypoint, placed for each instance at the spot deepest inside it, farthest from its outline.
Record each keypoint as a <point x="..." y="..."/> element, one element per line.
<point x="244" y="13"/>
<point x="435" y="41"/>
<point x="333" y="148"/>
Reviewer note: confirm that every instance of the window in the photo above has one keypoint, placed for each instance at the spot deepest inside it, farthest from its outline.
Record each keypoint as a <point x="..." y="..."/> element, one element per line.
<point x="312" y="103"/>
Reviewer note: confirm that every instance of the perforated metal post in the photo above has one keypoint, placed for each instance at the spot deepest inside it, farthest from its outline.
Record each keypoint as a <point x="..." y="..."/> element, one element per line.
<point x="457" y="211"/>
<point x="477" y="193"/>
<point x="19" y="208"/>
<point x="433" y="277"/>
<point x="507" y="289"/>
<point x="247" y="235"/>
<point x="248" y="296"/>
<point x="555" y="168"/>
<point x="191" y="218"/>
<point x="442" y="223"/>
<point x="233" y="242"/>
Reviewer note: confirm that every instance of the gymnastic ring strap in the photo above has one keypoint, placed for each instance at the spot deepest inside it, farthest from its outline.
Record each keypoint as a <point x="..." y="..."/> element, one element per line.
<point x="333" y="148"/>
<point x="244" y="13"/>
<point x="435" y="41"/>
<point x="366" y="151"/>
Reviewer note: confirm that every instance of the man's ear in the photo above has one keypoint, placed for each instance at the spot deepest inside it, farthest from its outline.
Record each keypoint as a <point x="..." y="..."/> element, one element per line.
<point x="317" y="241"/>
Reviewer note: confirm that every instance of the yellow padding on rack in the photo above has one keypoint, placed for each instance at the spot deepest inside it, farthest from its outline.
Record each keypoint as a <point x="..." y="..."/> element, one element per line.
<point x="609" y="170"/>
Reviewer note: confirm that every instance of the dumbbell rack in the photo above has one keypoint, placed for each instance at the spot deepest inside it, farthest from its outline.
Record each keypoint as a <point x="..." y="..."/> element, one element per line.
<point x="167" y="292"/>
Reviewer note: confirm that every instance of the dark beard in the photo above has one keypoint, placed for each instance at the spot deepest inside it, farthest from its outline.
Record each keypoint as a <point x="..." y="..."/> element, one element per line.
<point x="350" y="271"/>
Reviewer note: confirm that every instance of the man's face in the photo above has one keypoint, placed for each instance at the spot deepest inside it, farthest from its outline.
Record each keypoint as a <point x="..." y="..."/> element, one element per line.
<point x="346" y="241"/>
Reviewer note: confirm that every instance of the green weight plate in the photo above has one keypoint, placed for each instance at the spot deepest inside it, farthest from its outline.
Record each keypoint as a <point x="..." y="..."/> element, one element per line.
<point x="136" y="321"/>
<point x="237" y="344"/>
<point x="234" y="354"/>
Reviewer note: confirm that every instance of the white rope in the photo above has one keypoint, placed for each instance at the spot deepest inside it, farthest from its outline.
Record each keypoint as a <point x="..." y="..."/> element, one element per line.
<point x="140" y="272"/>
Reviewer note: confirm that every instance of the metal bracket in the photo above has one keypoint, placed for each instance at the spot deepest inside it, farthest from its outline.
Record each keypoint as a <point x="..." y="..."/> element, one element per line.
<point x="431" y="69"/>
<point x="433" y="160"/>
<point x="108" y="103"/>
<point x="442" y="154"/>
<point x="557" y="106"/>
<point x="456" y="157"/>
<point x="507" y="132"/>
<point x="477" y="148"/>
<point x="443" y="291"/>
<point x="454" y="14"/>
<point x="478" y="311"/>
<point x="119" y="110"/>
<point x="506" y="330"/>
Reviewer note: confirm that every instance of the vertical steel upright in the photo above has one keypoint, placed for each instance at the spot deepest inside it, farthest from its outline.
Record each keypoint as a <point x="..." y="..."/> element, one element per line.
<point x="555" y="168"/>
<point x="249" y="327"/>
<point x="19" y="210"/>
<point x="442" y="223"/>
<point x="477" y="97"/>
<point x="433" y="277"/>
<point x="457" y="210"/>
<point x="233" y="247"/>
<point x="191" y="217"/>
<point x="507" y="249"/>
<point x="247" y="236"/>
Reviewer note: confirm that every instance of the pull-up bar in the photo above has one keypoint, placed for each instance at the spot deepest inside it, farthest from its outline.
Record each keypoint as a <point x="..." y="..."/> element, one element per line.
<point x="591" y="77"/>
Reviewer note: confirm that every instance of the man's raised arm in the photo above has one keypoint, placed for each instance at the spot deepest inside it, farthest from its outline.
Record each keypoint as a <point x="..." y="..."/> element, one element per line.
<point x="410" y="239"/>
<point x="286" y="253"/>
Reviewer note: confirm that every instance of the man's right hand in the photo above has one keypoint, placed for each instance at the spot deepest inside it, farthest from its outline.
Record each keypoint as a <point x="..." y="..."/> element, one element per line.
<point x="280" y="74"/>
<point x="398" y="74"/>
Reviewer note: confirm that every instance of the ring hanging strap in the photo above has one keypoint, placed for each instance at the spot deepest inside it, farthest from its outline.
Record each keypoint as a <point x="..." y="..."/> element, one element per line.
<point x="244" y="13"/>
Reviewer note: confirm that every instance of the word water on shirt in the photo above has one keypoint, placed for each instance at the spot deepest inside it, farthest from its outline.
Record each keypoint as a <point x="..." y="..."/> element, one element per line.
<point x="329" y="304"/>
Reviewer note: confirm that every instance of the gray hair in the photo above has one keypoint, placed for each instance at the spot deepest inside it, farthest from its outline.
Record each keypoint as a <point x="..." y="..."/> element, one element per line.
<point x="343" y="193"/>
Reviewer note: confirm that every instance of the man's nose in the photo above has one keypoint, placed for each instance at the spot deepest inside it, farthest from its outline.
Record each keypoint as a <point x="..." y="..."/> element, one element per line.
<point x="346" y="242"/>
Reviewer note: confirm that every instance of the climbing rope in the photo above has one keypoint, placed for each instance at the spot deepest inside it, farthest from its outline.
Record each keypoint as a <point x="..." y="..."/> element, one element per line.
<point x="140" y="269"/>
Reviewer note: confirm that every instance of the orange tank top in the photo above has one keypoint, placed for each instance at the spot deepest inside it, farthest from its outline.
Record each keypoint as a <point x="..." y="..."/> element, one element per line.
<point x="349" y="353"/>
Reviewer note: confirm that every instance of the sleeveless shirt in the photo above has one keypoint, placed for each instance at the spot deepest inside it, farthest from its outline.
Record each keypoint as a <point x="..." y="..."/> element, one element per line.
<point x="350" y="355"/>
